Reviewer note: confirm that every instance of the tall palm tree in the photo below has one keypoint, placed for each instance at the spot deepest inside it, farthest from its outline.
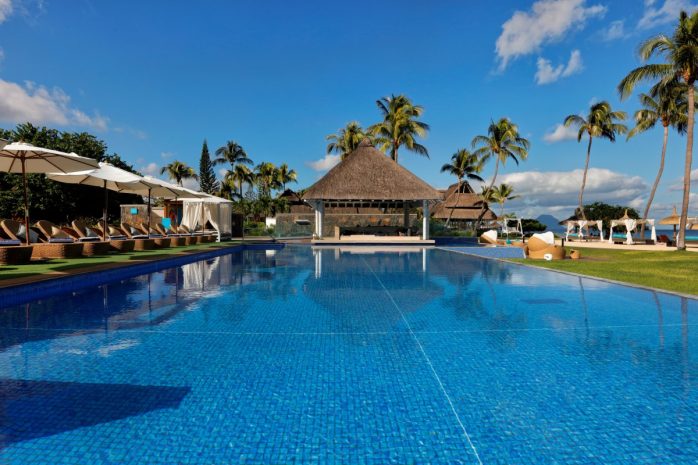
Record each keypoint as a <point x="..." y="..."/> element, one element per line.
<point x="286" y="175"/>
<point x="600" y="122"/>
<point x="178" y="172"/>
<point x="346" y="139"/>
<point x="266" y="177"/>
<point x="680" y="52"/>
<point x="666" y="104"/>
<point x="232" y="153"/>
<point x="240" y="175"/>
<point x="227" y="189"/>
<point x="502" y="193"/>
<point x="502" y="142"/>
<point x="463" y="164"/>
<point x="399" y="126"/>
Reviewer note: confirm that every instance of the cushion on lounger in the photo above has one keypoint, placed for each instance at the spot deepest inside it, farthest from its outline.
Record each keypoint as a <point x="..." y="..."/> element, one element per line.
<point x="548" y="237"/>
<point x="90" y="233"/>
<point x="4" y="242"/>
<point x="33" y="236"/>
<point x="60" y="240"/>
<point x="58" y="233"/>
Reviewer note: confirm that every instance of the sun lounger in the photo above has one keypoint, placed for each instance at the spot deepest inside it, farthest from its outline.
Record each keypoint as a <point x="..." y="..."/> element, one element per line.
<point x="142" y="241"/>
<point x="193" y="237"/>
<point x="176" y="239"/>
<point x="12" y="251"/>
<point x="118" y="241"/>
<point x="161" y="241"/>
<point x="55" y="244"/>
<point x="542" y="247"/>
<point x="93" y="243"/>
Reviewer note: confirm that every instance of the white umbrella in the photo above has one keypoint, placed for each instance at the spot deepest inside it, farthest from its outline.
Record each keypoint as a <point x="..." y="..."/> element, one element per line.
<point x="173" y="191"/>
<point x="24" y="158"/>
<point x="109" y="178"/>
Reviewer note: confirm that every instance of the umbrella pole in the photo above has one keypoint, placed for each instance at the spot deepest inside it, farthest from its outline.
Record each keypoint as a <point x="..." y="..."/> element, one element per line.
<point x="26" y="205"/>
<point x="104" y="213"/>
<point x="149" y="189"/>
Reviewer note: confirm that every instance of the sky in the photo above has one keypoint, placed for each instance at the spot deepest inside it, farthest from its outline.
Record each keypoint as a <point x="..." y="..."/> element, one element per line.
<point x="154" y="79"/>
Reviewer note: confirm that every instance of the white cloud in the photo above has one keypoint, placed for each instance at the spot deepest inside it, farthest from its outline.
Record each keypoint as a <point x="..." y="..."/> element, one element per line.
<point x="560" y="133"/>
<point x="166" y="155"/>
<point x="669" y="10"/>
<point x="326" y="163"/>
<point x="547" y="74"/>
<point x="547" y="22"/>
<point x="5" y="10"/>
<point x="222" y="172"/>
<point x="2" y="54"/>
<point x="40" y="105"/>
<point x="190" y="183"/>
<point x="152" y="169"/>
<point x="616" y="30"/>
<point x="556" y="192"/>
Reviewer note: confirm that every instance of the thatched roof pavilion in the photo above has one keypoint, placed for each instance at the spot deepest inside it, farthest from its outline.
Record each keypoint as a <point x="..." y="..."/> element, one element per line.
<point x="367" y="178"/>
<point x="463" y="207"/>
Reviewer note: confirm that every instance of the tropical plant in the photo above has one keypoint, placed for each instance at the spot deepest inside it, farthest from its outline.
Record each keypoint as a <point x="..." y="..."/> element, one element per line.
<point x="666" y="104"/>
<point x="227" y="189"/>
<point x="266" y="177"/>
<point x="178" y="172"/>
<point x="680" y="52"/>
<point x="285" y="175"/>
<point x="601" y="122"/>
<point x="347" y="139"/>
<point x="502" y="193"/>
<point x="240" y="174"/>
<point x="232" y="153"/>
<point x="207" y="178"/>
<point x="463" y="165"/>
<point x="502" y="142"/>
<point x="400" y="126"/>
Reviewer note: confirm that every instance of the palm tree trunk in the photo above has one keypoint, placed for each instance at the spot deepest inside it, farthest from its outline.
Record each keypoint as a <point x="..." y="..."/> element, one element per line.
<point x="489" y="189"/>
<point x="584" y="181"/>
<point x="448" y="221"/>
<point x="395" y="146"/>
<point x="656" y="181"/>
<point x="681" y="242"/>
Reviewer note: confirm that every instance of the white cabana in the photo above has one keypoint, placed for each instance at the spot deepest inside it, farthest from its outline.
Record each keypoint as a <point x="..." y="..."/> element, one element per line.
<point x="197" y="211"/>
<point x="581" y="224"/>
<point x="630" y="226"/>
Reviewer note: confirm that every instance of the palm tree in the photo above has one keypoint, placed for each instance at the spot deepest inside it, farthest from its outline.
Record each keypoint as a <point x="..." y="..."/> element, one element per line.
<point x="346" y="139"/>
<point x="240" y="175"/>
<point x="502" y="142"/>
<point x="502" y="193"/>
<point x="232" y="153"/>
<point x="463" y="164"/>
<point x="399" y="126"/>
<point x="601" y="122"/>
<point x="227" y="189"/>
<point x="285" y="175"/>
<point x="681" y="54"/>
<point x="178" y="172"/>
<point x="665" y="104"/>
<point x="266" y="177"/>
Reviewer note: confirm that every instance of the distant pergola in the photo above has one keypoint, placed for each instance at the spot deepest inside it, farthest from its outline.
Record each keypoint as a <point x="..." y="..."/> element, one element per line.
<point x="367" y="178"/>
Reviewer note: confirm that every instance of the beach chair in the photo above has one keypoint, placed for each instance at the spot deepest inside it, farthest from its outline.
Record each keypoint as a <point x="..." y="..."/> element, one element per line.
<point x="141" y="240"/>
<point x="161" y="241"/>
<point x="193" y="237"/>
<point x="93" y="243"/>
<point x="13" y="251"/>
<point x="176" y="239"/>
<point x="490" y="238"/>
<point x="118" y="241"/>
<point x="542" y="247"/>
<point x="53" y="243"/>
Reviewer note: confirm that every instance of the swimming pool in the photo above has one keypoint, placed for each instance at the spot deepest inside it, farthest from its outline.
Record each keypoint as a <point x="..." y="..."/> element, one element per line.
<point x="350" y="356"/>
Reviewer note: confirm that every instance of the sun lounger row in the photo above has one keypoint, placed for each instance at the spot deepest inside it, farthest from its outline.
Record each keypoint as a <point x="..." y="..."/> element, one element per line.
<point x="48" y="240"/>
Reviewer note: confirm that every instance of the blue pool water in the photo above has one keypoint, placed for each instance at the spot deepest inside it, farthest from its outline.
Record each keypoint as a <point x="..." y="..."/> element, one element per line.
<point x="339" y="357"/>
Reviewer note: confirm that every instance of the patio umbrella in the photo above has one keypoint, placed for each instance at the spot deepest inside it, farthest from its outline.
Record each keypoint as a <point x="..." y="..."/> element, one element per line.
<point x="181" y="192"/>
<point x="109" y="178"/>
<point x="672" y="219"/>
<point x="24" y="158"/>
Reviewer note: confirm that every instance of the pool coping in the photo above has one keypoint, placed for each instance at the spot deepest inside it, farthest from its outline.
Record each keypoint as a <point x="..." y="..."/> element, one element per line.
<point x="580" y="275"/>
<point x="46" y="285"/>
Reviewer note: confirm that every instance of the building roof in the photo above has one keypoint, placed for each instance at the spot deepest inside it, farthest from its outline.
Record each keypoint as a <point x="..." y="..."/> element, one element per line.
<point x="465" y="206"/>
<point x="368" y="174"/>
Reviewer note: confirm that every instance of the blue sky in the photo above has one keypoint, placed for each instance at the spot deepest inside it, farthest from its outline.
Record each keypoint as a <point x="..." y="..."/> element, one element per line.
<point x="153" y="79"/>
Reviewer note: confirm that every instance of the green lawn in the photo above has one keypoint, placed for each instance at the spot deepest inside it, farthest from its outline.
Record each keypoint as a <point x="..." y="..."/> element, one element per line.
<point x="672" y="271"/>
<point x="56" y="266"/>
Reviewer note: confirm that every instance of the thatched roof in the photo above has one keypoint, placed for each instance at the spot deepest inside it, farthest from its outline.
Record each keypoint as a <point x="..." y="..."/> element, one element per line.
<point x="465" y="206"/>
<point x="368" y="174"/>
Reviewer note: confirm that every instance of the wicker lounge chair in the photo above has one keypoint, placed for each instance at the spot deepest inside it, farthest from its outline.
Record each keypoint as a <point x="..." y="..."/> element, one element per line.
<point x="161" y="241"/>
<point x="118" y="241"/>
<point x="12" y="251"/>
<point x="192" y="237"/>
<point x="44" y="247"/>
<point x="542" y="245"/>
<point x="176" y="239"/>
<point x="142" y="241"/>
<point x="93" y="243"/>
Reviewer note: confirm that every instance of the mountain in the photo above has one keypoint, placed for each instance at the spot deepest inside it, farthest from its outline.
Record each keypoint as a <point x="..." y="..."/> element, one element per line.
<point x="552" y="223"/>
